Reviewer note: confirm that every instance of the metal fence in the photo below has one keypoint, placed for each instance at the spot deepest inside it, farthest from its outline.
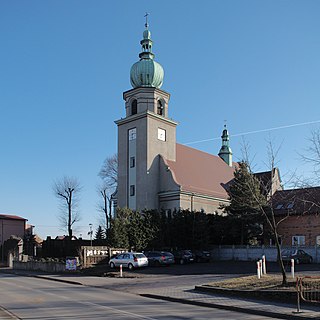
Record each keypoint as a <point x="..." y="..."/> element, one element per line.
<point x="308" y="290"/>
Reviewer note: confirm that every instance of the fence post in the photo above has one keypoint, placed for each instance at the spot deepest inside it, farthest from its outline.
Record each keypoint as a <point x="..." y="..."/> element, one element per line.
<point x="298" y="295"/>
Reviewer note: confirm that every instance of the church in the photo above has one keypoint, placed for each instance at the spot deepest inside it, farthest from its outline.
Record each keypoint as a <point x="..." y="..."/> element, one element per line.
<point x="154" y="171"/>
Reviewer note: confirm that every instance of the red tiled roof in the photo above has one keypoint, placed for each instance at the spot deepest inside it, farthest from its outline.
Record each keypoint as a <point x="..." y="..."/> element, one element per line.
<point x="201" y="172"/>
<point x="11" y="217"/>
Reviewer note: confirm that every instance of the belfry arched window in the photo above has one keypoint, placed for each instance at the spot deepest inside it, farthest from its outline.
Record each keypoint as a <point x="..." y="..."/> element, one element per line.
<point x="134" y="108"/>
<point x="160" y="108"/>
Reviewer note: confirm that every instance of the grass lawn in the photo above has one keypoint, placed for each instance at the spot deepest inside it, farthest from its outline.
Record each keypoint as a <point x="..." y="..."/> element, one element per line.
<point x="267" y="282"/>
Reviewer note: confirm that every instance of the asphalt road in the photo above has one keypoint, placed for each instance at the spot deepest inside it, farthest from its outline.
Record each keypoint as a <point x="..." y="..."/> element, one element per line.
<point x="32" y="298"/>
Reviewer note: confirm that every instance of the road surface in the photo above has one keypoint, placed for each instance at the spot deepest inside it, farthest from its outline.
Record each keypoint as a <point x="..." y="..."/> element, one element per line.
<point x="33" y="298"/>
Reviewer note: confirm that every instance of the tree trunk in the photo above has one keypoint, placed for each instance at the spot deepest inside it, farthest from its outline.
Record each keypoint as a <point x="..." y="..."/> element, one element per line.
<point x="283" y="271"/>
<point x="70" y="216"/>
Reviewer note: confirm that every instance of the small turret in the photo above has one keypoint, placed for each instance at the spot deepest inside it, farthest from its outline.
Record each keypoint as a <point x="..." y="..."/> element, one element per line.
<point x="225" y="152"/>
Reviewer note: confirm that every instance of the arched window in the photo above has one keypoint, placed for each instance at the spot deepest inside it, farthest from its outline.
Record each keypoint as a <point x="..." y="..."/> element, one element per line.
<point x="160" y="108"/>
<point x="134" y="107"/>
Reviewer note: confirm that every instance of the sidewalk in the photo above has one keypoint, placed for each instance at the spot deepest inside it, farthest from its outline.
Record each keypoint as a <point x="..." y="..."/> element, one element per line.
<point x="188" y="295"/>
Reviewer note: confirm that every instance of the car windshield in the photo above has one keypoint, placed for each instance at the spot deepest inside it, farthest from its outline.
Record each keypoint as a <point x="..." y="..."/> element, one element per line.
<point x="139" y="255"/>
<point x="167" y="254"/>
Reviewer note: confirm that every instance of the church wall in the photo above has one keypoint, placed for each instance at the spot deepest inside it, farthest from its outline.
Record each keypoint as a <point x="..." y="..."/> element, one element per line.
<point x="200" y="202"/>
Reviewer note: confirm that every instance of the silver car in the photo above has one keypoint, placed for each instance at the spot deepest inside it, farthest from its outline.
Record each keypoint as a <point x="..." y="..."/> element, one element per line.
<point x="129" y="260"/>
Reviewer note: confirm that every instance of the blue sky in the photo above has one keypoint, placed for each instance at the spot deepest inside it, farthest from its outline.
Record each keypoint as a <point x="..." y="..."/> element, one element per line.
<point x="65" y="64"/>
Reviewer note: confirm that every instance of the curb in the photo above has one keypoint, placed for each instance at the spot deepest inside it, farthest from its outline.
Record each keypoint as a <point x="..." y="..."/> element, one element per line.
<point x="225" y="307"/>
<point x="57" y="280"/>
<point x="270" y="295"/>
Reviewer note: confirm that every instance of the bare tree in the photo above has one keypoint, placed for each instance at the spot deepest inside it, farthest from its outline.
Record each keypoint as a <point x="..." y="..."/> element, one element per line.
<point x="268" y="210"/>
<point x="105" y="205"/>
<point x="109" y="175"/>
<point x="312" y="153"/>
<point x="265" y="205"/>
<point x="67" y="190"/>
<point x="109" y="172"/>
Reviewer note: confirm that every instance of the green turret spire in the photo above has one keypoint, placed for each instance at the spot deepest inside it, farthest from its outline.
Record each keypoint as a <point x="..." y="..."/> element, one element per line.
<point x="225" y="152"/>
<point x="146" y="72"/>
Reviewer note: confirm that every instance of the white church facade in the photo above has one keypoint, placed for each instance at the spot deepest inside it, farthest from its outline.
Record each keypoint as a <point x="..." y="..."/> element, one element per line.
<point x="154" y="171"/>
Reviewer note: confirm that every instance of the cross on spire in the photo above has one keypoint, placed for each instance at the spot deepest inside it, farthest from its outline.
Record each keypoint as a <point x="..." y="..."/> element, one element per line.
<point x="146" y="16"/>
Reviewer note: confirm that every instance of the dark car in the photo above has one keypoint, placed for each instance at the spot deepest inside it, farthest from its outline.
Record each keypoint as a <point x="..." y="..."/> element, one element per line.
<point x="159" y="258"/>
<point x="298" y="255"/>
<point x="201" y="255"/>
<point x="183" y="256"/>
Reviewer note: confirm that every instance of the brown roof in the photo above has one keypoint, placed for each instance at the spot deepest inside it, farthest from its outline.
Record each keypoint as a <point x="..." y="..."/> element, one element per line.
<point x="297" y="201"/>
<point x="200" y="172"/>
<point x="11" y="217"/>
<point x="265" y="179"/>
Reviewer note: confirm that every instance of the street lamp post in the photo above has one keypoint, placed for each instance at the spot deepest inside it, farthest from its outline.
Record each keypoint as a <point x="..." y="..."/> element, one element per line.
<point x="90" y="232"/>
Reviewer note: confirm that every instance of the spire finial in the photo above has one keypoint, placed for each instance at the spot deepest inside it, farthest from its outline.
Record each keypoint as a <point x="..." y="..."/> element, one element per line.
<point x="146" y="16"/>
<point x="225" y="123"/>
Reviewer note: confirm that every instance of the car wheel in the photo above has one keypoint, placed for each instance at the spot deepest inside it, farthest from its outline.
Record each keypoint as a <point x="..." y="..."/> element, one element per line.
<point x="181" y="261"/>
<point x="112" y="265"/>
<point x="130" y="266"/>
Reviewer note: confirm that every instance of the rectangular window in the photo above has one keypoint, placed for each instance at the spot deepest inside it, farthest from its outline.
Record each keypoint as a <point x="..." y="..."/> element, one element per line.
<point x="298" y="240"/>
<point x="132" y="190"/>
<point x="132" y="133"/>
<point x="132" y="162"/>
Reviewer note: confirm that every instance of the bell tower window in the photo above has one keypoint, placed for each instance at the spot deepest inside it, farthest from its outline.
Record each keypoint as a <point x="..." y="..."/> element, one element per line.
<point x="160" y="108"/>
<point x="134" y="107"/>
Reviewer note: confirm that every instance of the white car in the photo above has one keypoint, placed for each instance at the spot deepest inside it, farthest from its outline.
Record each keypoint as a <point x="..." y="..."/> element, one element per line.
<point x="129" y="260"/>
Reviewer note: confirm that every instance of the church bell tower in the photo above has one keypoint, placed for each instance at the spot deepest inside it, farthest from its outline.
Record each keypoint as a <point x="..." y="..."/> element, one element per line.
<point x="144" y="133"/>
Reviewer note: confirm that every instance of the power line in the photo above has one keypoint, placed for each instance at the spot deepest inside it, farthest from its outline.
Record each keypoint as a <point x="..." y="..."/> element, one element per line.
<point x="256" y="131"/>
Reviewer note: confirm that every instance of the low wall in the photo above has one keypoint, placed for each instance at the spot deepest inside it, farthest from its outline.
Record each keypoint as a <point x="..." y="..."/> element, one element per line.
<point x="248" y="253"/>
<point x="55" y="267"/>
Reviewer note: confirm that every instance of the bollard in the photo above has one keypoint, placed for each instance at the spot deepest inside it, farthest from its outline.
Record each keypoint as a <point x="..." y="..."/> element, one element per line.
<point x="258" y="270"/>
<point x="264" y="267"/>
<point x="120" y="270"/>
<point x="260" y="265"/>
<point x="292" y="268"/>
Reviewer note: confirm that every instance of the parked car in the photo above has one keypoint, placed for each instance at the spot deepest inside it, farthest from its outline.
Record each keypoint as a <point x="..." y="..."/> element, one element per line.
<point x="129" y="260"/>
<point x="159" y="258"/>
<point x="183" y="256"/>
<point x="201" y="255"/>
<point x="298" y="255"/>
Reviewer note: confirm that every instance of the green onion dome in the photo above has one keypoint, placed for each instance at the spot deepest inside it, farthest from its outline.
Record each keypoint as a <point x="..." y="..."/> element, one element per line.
<point x="146" y="72"/>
